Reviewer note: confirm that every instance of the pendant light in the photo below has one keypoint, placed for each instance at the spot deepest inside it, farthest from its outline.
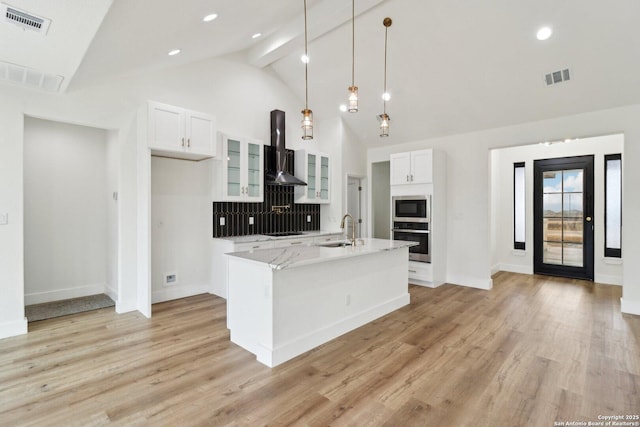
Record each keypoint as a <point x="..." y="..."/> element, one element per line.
<point x="384" y="117"/>
<point x="307" y="114"/>
<point x="353" y="89"/>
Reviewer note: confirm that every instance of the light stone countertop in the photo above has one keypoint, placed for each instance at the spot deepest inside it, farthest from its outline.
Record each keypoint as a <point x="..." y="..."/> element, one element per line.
<point x="297" y="256"/>
<point x="262" y="238"/>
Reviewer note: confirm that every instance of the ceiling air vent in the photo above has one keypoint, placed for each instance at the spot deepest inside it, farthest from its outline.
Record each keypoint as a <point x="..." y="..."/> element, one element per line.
<point x="556" y="77"/>
<point x="24" y="19"/>
<point x="29" y="77"/>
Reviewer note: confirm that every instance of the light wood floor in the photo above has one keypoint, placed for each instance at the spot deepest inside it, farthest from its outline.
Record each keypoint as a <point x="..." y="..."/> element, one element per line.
<point x="532" y="351"/>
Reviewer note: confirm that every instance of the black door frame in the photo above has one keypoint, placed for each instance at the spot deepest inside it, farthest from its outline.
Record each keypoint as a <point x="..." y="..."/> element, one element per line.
<point x="564" y="163"/>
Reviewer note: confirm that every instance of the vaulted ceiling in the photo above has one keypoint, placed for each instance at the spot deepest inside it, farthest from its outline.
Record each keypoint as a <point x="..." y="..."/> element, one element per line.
<point x="453" y="67"/>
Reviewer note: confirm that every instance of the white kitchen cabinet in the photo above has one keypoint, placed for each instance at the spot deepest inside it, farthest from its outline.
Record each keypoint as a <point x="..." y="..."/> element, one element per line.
<point x="180" y="133"/>
<point x="412" y="167"/>
<point x="315" y="169"/>
<point x="242" y="170"/>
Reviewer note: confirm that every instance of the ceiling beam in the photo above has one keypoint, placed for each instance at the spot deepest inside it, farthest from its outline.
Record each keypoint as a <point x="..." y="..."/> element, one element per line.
<point x="324" y="17"/>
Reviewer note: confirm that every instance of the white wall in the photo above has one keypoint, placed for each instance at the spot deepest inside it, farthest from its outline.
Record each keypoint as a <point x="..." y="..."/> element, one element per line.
<point x="180" y="227"/>
<point x="65" y="221"/>
<point x="239" y="95"/>
<point x="468" y="188"/>
<point x="605" y="270"/>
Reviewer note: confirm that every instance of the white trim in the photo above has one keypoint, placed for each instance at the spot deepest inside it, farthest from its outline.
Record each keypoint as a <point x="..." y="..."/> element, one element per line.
<point x="612" y="261"/>
<point x="126" y="306"/>
<point x="295" y="347"/>
<point x="111" y="292"/>
<point x="518" y="252"/>
<point x="471" y="282"/>
<point x="169" y="293"/>
<point x="516" y="268"/>
<point x="60" y="294"/>
<point x="13" y="328"/>
<point x="630" y="307"/>
<point x="606" y="279"/>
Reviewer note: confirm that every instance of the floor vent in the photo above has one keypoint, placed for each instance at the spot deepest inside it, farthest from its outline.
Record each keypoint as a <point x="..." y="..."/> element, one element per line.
<point x="24" y="19"/>
<point x="29" y="77"/>
<point x="556" y="77"/>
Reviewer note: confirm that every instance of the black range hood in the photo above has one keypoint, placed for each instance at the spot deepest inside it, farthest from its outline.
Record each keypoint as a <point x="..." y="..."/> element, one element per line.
<point x="277" y="174"/>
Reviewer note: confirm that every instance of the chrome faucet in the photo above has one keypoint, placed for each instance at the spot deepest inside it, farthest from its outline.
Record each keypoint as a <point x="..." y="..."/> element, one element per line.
<point x="353" y="223"/>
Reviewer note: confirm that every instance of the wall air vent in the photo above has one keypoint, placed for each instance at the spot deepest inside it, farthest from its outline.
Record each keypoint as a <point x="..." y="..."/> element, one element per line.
<point x="29" y="77"/>
<point x="556" y="77"/>
<point x="24" y="19"/>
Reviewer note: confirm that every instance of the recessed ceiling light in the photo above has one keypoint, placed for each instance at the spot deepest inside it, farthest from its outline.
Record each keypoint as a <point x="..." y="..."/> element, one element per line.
<point x="256" y="35"/>
<point x="305" y="59"/>
<point x="544" y="33"/>
<point x="210" y="17"/>
<point x="343" y="108"/>
<point x="174" y="52"/>
<point x="386" y="96"/>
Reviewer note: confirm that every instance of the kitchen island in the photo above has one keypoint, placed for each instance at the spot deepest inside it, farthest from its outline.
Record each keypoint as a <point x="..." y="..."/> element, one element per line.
<point x="283" y="302"/>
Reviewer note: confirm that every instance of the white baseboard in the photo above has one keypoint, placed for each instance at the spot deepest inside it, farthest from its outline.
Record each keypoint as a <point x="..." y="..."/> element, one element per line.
<point x="13" y="328"/>
<point x="179" y="291"/>
<point x="607" y="280"/>
<point x="59" y="294"/>
<point x="629" y="307"/>
<point x="433" y="284"/>
<point x="495" y="268"/>
<point x="471" y="282"/>
<point x="111" y="292"/>
<point x="291" y="349"/>
<point x="516" y="268"/>
<point x="126" y="306"/>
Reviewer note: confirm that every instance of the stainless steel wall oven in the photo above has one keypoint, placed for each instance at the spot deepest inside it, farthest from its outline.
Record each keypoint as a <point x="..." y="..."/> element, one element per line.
<point x="412" y="222"/>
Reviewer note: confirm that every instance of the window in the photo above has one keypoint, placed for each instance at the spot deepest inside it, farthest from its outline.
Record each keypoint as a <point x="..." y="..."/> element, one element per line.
<point x="613" y="205"/>
<point x="518" y="206"/>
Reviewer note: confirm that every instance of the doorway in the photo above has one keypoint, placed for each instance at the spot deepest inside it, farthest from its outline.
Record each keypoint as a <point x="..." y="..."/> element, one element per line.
<point x="381" y="200"/>
<point x="354" y="204"/>
<point x="563" y="217"/>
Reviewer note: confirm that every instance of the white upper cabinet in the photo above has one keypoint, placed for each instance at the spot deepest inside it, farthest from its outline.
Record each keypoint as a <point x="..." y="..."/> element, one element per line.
<point x="181" y="133"/>
<point x="412" y="167"/>
<point x="314" y="169"/>
<point x="242" y="167"/>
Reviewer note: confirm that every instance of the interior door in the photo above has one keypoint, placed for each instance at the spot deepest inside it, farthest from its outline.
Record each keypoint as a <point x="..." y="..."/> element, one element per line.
<point x="563" y="217"/>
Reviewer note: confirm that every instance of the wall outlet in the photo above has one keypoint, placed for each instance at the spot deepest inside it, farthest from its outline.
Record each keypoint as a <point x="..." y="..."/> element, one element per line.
<point x="308" y="218"/>
<point x="222" y="221"/>
<point x="170" y="279"/>
<point x="4" y="218"/>
<point x="250" y="220"/>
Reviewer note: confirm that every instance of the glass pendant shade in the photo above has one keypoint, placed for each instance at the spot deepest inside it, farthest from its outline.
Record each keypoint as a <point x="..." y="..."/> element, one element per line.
<point x="353" y="99"/>
<point x="384" y="124"/>
<point x="307" y="124"/>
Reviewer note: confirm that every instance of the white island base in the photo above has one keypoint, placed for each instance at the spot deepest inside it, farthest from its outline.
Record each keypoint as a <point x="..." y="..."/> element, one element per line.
<point x="279" y="311"/>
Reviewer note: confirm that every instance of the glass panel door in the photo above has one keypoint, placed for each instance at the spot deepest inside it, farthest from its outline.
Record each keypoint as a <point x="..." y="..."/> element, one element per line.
<point x="254" y="171"/>
<point x="563" y="223"/>
<point x="311" y="176"/>
<point x="324" y="178"/>
<point x="233" y="167"/>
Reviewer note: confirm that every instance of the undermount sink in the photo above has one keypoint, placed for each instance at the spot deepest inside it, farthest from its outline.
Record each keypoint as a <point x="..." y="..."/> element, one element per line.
<point x="337" y="245"/>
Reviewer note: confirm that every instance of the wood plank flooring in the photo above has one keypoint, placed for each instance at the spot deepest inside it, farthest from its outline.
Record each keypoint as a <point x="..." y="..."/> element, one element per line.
<point x="533" y="351"/>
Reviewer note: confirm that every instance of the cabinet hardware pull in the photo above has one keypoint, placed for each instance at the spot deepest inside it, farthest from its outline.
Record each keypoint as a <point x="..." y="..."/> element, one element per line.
<point x="183" y="142"/>
<point x="188" y="142"/>
<point x="412" y="271"/>
<point x="411" y="178"/>
<point x="407" y="178"/>
<point x="256" y="247"/>
<point x="296" y="243"/>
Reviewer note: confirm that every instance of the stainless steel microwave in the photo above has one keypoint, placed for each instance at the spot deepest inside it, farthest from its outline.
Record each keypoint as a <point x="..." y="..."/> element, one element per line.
<point x="411" y="208"/>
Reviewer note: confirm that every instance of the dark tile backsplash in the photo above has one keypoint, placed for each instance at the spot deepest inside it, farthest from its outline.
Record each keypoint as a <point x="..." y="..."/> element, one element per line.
<point x="237" y="215"/>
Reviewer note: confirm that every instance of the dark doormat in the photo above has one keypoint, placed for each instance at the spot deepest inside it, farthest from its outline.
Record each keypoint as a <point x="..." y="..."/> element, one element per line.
<point x="49" y="310"/>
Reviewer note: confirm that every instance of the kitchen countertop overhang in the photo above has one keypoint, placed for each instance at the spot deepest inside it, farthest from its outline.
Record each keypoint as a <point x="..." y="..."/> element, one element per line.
<point x="289" y="257"/>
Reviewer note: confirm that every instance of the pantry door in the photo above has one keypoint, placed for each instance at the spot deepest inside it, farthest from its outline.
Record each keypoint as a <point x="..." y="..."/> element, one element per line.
<point x="563" y="217"/>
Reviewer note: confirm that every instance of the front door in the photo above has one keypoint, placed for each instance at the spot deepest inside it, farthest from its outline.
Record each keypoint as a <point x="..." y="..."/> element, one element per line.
<point x="563" y="217"/>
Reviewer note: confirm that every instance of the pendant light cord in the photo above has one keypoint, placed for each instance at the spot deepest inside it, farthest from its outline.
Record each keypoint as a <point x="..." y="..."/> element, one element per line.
<point x="384" y="94"/>
<point x="353" y="42"/>
<point x="306" y="63"/>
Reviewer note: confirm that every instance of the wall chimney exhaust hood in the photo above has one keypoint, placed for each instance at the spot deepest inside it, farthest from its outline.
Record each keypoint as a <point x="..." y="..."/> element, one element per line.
<point x="277" y="174"/>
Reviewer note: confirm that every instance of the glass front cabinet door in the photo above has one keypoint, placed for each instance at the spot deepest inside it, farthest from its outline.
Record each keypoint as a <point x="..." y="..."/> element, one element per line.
<point x="243" y="170"/>
<point x="314" y="169"/>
